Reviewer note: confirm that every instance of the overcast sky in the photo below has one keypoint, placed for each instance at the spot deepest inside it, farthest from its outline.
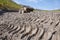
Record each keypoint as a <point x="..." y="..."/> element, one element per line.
<point x="41" y="4"/>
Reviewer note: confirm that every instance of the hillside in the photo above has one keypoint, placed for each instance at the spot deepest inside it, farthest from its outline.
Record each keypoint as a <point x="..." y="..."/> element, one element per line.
<point x="57" y="10"/>
<point x="9" y="4"/>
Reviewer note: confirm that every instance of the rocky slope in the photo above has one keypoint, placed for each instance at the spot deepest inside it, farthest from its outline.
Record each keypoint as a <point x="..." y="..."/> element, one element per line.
<point x="30" y="26"/>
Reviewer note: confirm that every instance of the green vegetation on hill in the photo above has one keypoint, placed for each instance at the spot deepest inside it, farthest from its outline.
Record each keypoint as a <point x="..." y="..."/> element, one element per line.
<point x="58" y="10"/>
<point x="9" y="5"/>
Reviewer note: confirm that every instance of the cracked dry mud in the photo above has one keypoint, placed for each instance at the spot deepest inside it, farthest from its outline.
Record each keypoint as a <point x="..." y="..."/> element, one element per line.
<point x="30" y="26"/>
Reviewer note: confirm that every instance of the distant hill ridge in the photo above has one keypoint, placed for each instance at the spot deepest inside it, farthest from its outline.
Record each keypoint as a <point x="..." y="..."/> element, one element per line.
<point x="9" y="5"/>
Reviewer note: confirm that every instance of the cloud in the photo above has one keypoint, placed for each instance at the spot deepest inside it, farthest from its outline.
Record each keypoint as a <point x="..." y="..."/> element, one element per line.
<point x="33" y="0"/>
<point x="36" y="1"/>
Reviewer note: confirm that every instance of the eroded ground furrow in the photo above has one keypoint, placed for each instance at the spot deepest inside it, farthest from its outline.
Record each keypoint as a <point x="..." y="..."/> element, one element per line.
<point x="30" y="26"/>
